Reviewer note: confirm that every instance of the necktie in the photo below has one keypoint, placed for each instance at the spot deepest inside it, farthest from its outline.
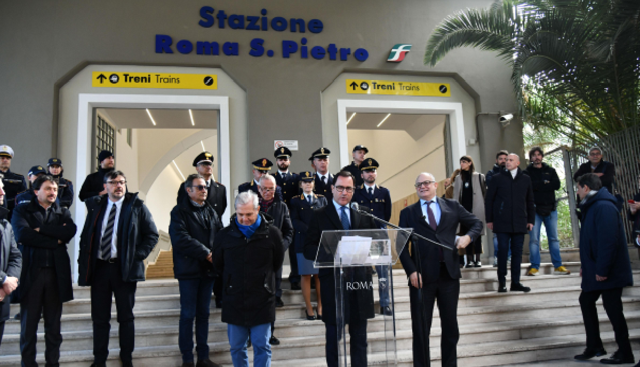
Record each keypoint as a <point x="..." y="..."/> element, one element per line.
<point x="323" y="179"/>
<point x="434" y="225"/>
<point x="309" y="198"/>
<point x="108" y="234"/>
<point x="344" y="218"/>
<point x="371" y="192"/>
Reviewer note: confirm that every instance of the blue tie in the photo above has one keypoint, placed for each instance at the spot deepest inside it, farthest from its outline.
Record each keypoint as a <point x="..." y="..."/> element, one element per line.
<point x="344" y="218"/>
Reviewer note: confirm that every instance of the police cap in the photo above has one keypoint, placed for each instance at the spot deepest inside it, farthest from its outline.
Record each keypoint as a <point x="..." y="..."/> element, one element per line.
<point x="262" y="164"/>
<point x="104" y="155"/>
<point x="368" y="164"/>
<point x="361" y="147"/>
<point x="6" y="151"/>
<point x="320" y="153"/>
<point x="54" y="162"/>
<point x="306" y="176"/>
<point x="282" y="152"/>
<point x="203" y="157"/>
<point x="36" y="170"/>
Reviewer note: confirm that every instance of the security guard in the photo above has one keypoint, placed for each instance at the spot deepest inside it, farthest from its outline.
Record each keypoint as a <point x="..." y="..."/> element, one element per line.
<point x="378" y="200"/>
<point x="359" y="155"/>
<point x="14" y="183"/>
<point x="216" y="192"/>
<point x="29" y="195"/>
<point x="65" y="187"/>
<point x="261" y="167"/>
<point x="323" y="179"/>
<point x="286" y="181"/>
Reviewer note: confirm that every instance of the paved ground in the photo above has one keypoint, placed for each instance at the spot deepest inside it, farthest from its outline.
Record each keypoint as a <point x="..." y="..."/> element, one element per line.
<point x="574" y="363"/>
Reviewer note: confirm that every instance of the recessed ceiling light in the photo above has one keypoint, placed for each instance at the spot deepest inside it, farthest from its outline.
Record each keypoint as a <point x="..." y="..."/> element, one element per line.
<point x="191" y="115"/>
<point x="383" y="120"/>
<point x="350" y="118"/>
<point x="203" y="149"/>
<point x="151" y="117"/>
<point x="180" y="172"/>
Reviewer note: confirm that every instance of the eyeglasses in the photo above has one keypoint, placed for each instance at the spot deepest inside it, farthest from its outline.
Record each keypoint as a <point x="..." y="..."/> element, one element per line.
<point x="199" y="187"/>
<point x="267" y="190"/>
<point x="117" y="183"/>
<point x="595" y="154"/>
<point x="424" y="183"/>
<point x="342" y="188"/>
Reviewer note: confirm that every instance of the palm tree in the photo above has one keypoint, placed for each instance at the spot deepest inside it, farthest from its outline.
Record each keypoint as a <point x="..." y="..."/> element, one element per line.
<point x="575" y="63"/>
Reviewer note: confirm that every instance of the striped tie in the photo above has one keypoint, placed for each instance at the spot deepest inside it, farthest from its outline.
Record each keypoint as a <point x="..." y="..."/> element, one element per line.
<point x="108" y="234"/>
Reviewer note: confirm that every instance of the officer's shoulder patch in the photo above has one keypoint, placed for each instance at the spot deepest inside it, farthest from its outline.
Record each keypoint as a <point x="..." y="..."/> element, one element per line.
<point x="17" y="174"/>
<point x="319" y="195"/>
<point x="219" y="183"/>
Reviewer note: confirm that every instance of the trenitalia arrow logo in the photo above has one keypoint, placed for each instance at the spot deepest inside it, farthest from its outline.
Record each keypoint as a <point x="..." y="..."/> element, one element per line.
<point x="398" y="52"/>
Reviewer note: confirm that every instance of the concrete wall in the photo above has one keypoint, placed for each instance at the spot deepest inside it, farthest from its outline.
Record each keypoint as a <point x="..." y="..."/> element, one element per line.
<point x="46" y="43"/>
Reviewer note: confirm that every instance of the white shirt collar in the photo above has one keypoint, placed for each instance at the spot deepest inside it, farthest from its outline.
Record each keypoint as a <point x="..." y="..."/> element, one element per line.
<point x="514" y="172"/>
<point x="370" y="187"/>
<point x="326" y="175"/>
<point x="118" y="203"/>
<point x="283" y="173"/>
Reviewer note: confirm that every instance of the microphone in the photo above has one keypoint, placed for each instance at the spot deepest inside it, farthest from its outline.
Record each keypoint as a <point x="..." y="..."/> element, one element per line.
<point x="355" y="206"/>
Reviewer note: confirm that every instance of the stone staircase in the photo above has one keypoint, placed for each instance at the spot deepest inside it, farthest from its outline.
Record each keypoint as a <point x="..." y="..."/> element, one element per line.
<point x="495" y="329"/>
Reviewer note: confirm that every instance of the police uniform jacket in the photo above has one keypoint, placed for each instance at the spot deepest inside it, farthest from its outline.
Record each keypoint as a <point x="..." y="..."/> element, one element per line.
<point x="216" y="196"/>
<point x="251" y="185"/>
<point x="301" y="213"/>
<point x="360" y="301"/>
<point x="379" y="204"/>
<point x="14" y="184"/>
<point x="10" y="259"/>
<point x="137" y="236"/>
<point x="248" y="268"/>
<point x="289" y="185"/>
<point x="65" y="191"/>
<point x="94" y="184"/>
<point x="39" y="246"/>
<point x="355" y="171"/>
<point x="193" y="230"/>
<point x="323" y="189"/>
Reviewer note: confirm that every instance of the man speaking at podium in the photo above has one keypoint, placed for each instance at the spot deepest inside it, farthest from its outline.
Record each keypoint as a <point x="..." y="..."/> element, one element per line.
<point x="434" y="272"/>
<point x="358" y="303"/>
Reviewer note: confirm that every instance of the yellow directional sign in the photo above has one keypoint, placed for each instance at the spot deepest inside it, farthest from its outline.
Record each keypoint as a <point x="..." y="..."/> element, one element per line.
<point x="118" y="79"/>
<point x="398" y="88"/>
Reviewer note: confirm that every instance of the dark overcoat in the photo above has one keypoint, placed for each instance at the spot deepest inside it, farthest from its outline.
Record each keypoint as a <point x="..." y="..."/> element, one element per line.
<point x="509" y="203"/>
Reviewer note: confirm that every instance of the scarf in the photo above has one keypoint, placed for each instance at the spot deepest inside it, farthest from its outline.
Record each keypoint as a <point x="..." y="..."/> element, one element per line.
<point x="264" y="204"/>
<point x="248" y="231"/>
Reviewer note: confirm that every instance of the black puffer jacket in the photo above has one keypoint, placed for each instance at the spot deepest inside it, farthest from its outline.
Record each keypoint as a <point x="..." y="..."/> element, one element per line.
<point x="94" y="184"/>
<point x="248" y="268"/>
<point x="137" y="236"/>
<point x="193" y="231"/>
<point x="545" y="182"/>
<point x="607" y="169"/>
<point x="509" y="203"/>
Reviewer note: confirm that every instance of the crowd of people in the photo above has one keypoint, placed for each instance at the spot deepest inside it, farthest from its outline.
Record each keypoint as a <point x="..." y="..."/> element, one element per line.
<point x="241" y="263"/>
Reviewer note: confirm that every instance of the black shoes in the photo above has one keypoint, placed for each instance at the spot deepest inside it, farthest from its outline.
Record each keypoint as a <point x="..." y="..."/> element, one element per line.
<point x="186" y="364"/>
<point x="95" y="364"/>
<point x="273" y="340"/>
<point x="519" y="287"/>
<point x="279" y="302"/>
<point x="590" y="353"/>
<point x="295" y="286"/>
<point x="312" y="317"/>
<point x="206" y="363"/>
<point x="618" y="358"/>
<point x="386" y="310"/>
<point x="502" y="287"/>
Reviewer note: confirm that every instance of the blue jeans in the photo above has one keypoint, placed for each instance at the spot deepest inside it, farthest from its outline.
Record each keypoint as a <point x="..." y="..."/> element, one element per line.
<point x="238" y="336"/>
<point x="195" y="299"/>
<point x="383" y="287"/>
<point x="551" y="224"/>
<point x="495" y="246"/>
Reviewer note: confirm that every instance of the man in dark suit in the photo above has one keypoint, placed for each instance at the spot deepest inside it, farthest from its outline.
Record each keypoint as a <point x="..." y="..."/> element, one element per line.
<point x="378" y="200"/>
<point x="216" y="192"/>
<point x="359" y="306"/>
<point x="323" y="180"/>
<point x="434" y="272"/>
<point x="511" y="213"/>
<point x="119" y="233"/>
<point x="289" y="183"/>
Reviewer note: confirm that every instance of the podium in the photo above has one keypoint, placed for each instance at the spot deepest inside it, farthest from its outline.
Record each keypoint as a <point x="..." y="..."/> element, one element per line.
<point x="352" y="254"/>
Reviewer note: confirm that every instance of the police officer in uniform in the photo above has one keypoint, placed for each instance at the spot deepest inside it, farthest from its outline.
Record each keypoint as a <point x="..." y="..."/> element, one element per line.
<point x="289" y="184"/>
<point x="216" y="192"/>
<point x="29" y="195"/>
<point x="323" y="179"/>
<point x="14" y="183"/>
<point x="65" y="187"/>
<point x="378" y="200"/>
<point x="261" y="167"/>
<point x="94" y="183"/>
<point x="359" y="155"/>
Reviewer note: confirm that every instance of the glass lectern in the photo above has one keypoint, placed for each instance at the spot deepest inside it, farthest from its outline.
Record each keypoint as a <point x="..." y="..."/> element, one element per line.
<point x="353" y="254"/>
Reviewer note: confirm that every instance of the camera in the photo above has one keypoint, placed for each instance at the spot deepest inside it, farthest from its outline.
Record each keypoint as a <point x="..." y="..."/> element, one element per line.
<point x="505" y="119"/>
